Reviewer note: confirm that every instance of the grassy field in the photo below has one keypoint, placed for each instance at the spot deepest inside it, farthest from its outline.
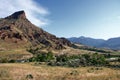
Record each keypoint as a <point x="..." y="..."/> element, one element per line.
<point x="30" y="71"/>
<point x="15" y="54"/>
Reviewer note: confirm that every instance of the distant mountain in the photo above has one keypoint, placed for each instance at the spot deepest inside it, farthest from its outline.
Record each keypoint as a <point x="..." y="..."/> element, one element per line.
<point x="16" y="31"/>
<point x="86" y="41"/>
<point x="112" y="43"/>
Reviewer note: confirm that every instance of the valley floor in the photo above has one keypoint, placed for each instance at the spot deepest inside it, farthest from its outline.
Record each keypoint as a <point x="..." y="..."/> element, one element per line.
<point x="31" y="71"/>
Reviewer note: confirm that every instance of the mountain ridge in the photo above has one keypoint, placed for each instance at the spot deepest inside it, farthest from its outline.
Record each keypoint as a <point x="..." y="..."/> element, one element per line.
<point x="86" y="40"/>
<point x="112" y="43"/>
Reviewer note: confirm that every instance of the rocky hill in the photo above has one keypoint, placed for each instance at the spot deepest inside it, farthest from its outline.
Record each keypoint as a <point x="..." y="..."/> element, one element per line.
<point x="17" y="31"/>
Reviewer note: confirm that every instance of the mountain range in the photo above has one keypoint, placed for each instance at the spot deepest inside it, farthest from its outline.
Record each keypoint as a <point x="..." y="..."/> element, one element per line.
<point x="16" y="31"/>
<point x="112" y="43"/>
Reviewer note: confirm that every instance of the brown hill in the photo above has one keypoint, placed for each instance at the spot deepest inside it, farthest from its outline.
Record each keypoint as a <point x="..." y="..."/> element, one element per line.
<point x="17" y="31"/>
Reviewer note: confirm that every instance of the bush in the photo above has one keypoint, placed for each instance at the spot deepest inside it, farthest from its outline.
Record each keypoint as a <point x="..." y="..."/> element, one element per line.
<point x="62" y="58"/>
<point x="42" y="57"/>
<point x="74" y="72"/>
<point x="12" y="61"/>
<point x="118" y="59"/>
<point x="4" y="60"/>
<point x="79" y="60"/>
<point x="33" y="51"/>
<point x="29" y="76"/>
<point x="68" y="60"/>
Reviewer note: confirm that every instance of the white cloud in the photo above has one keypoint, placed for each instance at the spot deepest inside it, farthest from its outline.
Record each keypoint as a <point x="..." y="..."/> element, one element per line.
<point x="34" y="12"/>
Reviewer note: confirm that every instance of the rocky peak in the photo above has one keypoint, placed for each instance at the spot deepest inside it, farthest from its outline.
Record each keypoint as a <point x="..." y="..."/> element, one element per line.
<point x="17" y="29"/>
<point x="17" y="15"/>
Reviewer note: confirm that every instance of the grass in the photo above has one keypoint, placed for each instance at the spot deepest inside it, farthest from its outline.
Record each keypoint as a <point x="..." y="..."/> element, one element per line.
<point x="15" y="54"/>
<point x="29" y="71"/>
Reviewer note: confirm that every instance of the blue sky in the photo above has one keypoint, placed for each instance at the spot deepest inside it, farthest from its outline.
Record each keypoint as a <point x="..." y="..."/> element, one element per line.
<point x="70" y="18"/>
<point x="91" y="18"/>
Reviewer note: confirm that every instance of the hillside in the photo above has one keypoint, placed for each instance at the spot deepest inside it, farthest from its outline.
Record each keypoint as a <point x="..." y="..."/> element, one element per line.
<point x="16" y="31"/>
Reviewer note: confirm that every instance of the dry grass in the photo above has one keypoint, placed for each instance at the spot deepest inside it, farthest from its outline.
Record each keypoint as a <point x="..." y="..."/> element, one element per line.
<point x="42" y="72"/>
<point x="72" y="51"/>
<point x="15" y="54"/>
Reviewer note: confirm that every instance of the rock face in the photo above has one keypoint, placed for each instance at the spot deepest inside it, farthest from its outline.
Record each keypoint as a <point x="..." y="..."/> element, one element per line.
<point x="17" y="29"/>
<point x="17" y="15"/>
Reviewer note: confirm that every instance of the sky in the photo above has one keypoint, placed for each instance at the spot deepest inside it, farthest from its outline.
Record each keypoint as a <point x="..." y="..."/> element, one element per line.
<point x="70" y="18"/>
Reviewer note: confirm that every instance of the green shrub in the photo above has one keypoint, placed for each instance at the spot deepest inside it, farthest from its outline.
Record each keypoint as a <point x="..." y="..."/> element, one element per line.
<point x="79" y="60"/>
<point x="42" y="57"/>
<point x="11" y="61"/>
<point x="62" y="58"/>
<point x="68" y="60"/>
